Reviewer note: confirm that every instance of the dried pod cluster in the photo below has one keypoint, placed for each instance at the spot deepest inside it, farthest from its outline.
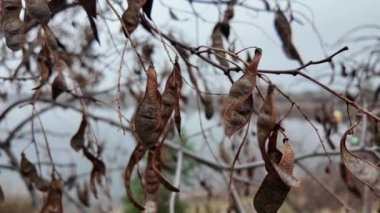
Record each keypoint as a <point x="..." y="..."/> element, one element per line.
<point x="240" y="99"/>
<point x="12" y="25"/>
<point x="285" y="32"/>
<point x="150" y="119"/>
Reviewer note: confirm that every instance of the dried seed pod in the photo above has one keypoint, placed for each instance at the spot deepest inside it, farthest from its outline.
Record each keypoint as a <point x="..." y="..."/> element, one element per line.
<point x="130" y="19"/>
<point x="244" y="86"/>
<point x="83" y="195"/>
<point x="171" y="94"/>
<point x="266" y="120"/>
<point x="53" y="203"/>
<point x="237" y="116"/>
<point x="13" y="26"/>
<point x="39" y="10"/>
<point x="41" y="184"/>
<point x="58" y="86"/>
<point x="77" y="141"/>
<point x="364" y="170"/>
<point x="273" y="191"/>
<point x="217" y="42"/>
<point x="27" y="168"/>
<point x="148" y="114"/>
<point x="15" y="42"/>
<point x="282" y="26"/>
<point x="136" y="156"/>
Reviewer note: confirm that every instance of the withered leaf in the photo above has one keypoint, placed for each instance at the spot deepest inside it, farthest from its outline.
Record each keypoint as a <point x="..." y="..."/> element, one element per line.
<point x="273" y="191"/>
<point x="58" y="86"/>
<point x="148" y="115"/>
<point x="362" y="169"/>
<point x="53" y="203"/>
<point x="2" y="196"/>
<point x="77" y="141"/>
<point x="237" y="116"/>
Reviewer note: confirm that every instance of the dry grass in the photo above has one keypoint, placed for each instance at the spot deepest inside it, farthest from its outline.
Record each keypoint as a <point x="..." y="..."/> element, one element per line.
<point x="17" y="204"/>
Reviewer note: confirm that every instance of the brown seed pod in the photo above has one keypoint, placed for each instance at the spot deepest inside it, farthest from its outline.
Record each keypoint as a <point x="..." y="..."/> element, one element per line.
<point x="237" y="116"/>
<point x="78" y="139"/>
<point x="83" y="195"/>
<point x="130" y="19"/>
<point x="27" y="168"/>
<point x="39" y="10"/>
<point x="148" y="114"/>
<point x="53" y="203"/>
<point x="58" y="86"/>
<point x="282" y="27"/>
<point x="13" y="26"/>
<point x="244" y="86"/>
<point x="266" y="120"/>
<point x="217" y="42"/>
<point x="2" y="196"/>
<point x="15" y="42"/>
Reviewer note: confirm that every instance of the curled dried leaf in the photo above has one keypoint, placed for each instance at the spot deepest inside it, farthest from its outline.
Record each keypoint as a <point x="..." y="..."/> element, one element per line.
<point x="53" y="203"/>
<point x="364" y="170"/>
<point x="78" y="139"/>
<point x="148" y="115"/>
<point x="237" y="116"/>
